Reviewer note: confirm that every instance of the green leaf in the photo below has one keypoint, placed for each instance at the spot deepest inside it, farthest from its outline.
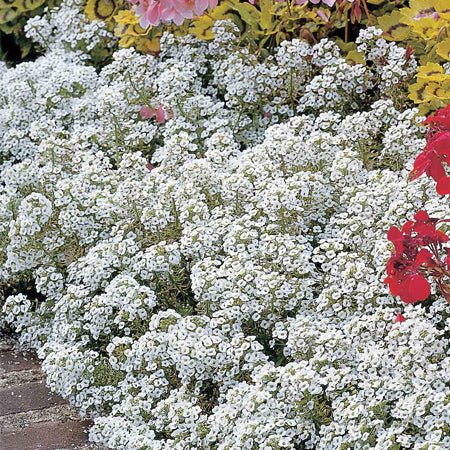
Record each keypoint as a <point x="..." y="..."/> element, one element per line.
<point x="8" y="14"/>
<point x="28" y="5"/>
<point x="267" y="18"/>
<point x="443" y="49"/>
<point x="249" y="14"/>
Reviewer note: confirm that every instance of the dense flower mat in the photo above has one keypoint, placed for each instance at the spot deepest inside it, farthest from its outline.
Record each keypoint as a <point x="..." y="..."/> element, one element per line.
<point x="195" y="242"/>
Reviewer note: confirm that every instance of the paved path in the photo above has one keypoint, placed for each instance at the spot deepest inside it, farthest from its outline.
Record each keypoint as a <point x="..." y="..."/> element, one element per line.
<point x="31" y="417"/>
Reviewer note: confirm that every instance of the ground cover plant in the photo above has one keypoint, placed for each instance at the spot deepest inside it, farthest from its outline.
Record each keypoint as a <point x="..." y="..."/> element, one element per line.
<point x="201" y="240"/>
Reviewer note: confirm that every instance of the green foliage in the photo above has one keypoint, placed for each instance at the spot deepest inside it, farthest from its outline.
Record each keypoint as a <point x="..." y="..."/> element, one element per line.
<point x="14" y="46"/>
<point x="423" y="26"/>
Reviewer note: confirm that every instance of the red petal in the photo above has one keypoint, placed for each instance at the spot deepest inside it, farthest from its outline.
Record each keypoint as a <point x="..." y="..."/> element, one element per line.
<point x="421" y="164"/>
<point x="422" y="257"/>
<point x="395" y="287"/>
<point x="414" y="289"/>
<point x="441" y="236"/>
<point x="440" y="142"/>
<point x="436" y="169"/>
<point x="422" y="216"/>
<point x="394" y="234"/>
<point x="407" y="228"/>
<point x="443" y="186"/>
<point x="399" y="318"/>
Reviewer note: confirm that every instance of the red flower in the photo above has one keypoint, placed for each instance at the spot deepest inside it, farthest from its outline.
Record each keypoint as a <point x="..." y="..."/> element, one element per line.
<point x="409" y="261"/>
<point x="404" y="278"/>
<point x="443" y="186"/>
<point x="425" y="227"/>
<point x="440" y="121"/>
<point x="430" y="161"/>
<point x="399" y="318"/>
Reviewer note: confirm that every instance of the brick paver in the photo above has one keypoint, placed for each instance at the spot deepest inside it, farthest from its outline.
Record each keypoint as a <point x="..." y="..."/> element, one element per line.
<point x="45" y="436"/>
<point x="31" y="417"/>
<point x="15" y="362"/>
<point x="27" y="397"/>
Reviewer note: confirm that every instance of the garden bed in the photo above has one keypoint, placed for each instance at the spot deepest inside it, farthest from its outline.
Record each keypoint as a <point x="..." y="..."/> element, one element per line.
<point x="195" y="241"/>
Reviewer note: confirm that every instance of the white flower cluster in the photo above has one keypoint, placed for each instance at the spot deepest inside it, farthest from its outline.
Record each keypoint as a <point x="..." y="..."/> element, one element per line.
<point x="66" y="26"/>
<point x="230" y="297"/>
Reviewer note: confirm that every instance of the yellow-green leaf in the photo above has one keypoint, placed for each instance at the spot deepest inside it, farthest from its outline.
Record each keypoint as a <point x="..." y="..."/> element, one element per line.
<point x="101" y="10"/>
<point x="418" y="92"/>
<point x="249" y="14"/>
<point x="393" y="29"/>
<point x="28" y="5"/>
<point x="443" y="49"/>
<point x="431" y="72"/>
<point x="354" y="57"/>
<point x="266" y="14"/>
<point x="202" y="28"/>
<point x="8" y="14"/>
<point x="6" y="4"/>
<point x="203" y="25"/>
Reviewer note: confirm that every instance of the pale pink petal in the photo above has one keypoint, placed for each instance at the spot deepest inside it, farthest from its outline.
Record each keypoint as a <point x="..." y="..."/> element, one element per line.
<point x="322" y="14"/>
<point x="153" y="13"/>
<point x="200" y="6"/>
<point x="146" y="112"/>
<point x="143" y="22"/>
<point x="160" y="114"/>
<point x="184" y="8"/>
<point x="179" y="19"/>
<point x="434" y="15"/>
<point x="168" y="14"/>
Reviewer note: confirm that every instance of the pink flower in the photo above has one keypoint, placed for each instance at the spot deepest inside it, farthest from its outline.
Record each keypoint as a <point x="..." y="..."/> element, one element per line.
<point x="323" y="15"/>
<point x="153" y="12"/>
<point x="146" y="112"/>
<point x="160" y="114"/>
<point x="426" y="14"/>
<point x="316" y="2"/>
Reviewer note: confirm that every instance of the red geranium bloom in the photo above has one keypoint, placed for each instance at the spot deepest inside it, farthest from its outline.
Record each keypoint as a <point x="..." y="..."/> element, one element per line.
<point x="440" y="121"/>
<point x="443" y="186"/>
<point x="404" y="278"/>
<point x="447" y="258"/>
<point x="398" y="237"/>
<point x="430" y="161"/>
<point x="425" y="227"/>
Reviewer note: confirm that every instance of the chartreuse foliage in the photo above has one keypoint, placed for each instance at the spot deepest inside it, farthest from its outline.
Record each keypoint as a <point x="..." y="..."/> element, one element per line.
<point x="266" y="22"/>
<point x="13" y="16"/>
<point x="126" y="26"/>
<point x="424" y="26"/>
